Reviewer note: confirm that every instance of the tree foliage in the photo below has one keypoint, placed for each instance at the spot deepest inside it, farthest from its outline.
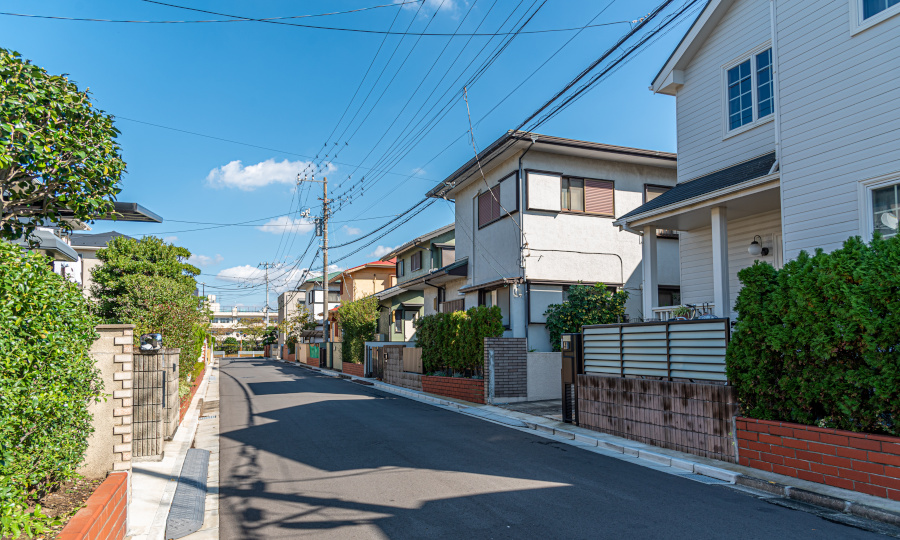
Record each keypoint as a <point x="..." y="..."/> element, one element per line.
<point x="455" y="341"/>
<point x="585" y="305"/>
<point x="58" y="153"/>
<point x="48" y="380"/>
<point x="818" y="342"/>
<point x="231" y="346"/>
<point x="147" y="283"/>
<point x="293" y="325"/>
<point x="359" y="322"/>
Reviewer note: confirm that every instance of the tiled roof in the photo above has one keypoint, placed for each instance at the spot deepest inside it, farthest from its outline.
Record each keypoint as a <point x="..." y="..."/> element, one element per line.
<point x="94" y="240"/>
<point x="732" y="176"/>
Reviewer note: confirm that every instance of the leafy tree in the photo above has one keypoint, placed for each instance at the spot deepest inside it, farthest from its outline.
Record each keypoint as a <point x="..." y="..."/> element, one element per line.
<point x="47" y="379"/>
<point x="586" y="305"/>
<point x="359" y="322"/>
<point x="296" y="323"/>
<point x="147" y="283"/>
<point x="817" y="341"/>
<point x="231" y="346"/>
<point x="58" y="153"/>
<point x="254" y="329"/>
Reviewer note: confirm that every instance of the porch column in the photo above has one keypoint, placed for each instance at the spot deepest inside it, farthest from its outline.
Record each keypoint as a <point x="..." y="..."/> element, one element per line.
<point x="650" y="292"/>
<point x="721" y="296"/>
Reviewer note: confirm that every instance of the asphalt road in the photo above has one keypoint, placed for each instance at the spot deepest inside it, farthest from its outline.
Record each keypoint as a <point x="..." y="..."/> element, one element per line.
<point x="308" y="456"/>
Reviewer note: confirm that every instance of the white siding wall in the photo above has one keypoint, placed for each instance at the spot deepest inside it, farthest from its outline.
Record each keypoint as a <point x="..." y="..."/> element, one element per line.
<point x="696" y="255"/>
<point x="701" y="148"/>
<point x="840" y="112"/>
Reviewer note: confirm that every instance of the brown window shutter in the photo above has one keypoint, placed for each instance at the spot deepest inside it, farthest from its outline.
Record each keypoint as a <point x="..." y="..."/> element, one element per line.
<point x="495" y="202"/>
<point x="484" y="209"/>
<point x="598" y="197"/>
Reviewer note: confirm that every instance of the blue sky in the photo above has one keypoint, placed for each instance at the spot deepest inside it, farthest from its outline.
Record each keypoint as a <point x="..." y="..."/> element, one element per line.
<point x="281" y="90"/>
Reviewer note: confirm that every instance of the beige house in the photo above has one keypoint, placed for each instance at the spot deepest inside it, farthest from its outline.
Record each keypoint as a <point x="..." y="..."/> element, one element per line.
<point x="87" y="245"/>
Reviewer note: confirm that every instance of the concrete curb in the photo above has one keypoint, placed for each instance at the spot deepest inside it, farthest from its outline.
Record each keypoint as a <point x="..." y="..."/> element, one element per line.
<point x="634" y="452"/>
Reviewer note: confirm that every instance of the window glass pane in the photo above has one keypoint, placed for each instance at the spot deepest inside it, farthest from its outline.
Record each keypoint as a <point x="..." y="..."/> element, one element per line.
<point x="886" y="210"/>
<point x="764" y="96"/>
<point x="576" y="194"/>
<point x="874" y="7"/>
<point x="740" y="96"/>
<point x="564" y="194"/>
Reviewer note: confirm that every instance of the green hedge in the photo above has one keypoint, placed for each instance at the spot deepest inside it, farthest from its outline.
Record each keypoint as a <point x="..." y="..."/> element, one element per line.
<point x="455" y="341"/>
<point x="48" y="380"/>
<point x="817" y="342"/>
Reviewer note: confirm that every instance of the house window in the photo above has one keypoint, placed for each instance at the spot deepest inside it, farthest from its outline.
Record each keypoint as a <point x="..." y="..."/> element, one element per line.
<point x="750" y="90"/>
<point x="400" y="268"/>
<point x="415" y="262"/>
<point x="489" y="206"/>
<point x="651" y="192"/>
<point x="870" y="8"/>
<point x="587" y="196"/>
<point x="886" y="210"/>
<point x="397" y="314"/>
<point x="669" y="296"/>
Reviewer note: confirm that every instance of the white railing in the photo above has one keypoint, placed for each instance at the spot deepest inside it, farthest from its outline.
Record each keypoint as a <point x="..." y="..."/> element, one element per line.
<point x="664" y="313"/>
<point x="672" y="349"/>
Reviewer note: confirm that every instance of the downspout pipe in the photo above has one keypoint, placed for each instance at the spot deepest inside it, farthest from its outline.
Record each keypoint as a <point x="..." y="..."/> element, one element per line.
<point x="522" y="230"/>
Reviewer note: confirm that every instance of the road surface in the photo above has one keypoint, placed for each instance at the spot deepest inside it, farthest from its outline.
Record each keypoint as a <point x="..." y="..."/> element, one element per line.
<point x="304" y="455"/>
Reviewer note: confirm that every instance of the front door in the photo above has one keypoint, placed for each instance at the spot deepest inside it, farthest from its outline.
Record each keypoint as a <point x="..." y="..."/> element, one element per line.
<point x="409" y="330"/>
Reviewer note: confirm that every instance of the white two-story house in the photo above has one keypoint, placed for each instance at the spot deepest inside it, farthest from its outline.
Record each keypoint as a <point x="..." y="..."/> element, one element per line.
<point x="788" y="118"/>
<point x="534" y="216"/>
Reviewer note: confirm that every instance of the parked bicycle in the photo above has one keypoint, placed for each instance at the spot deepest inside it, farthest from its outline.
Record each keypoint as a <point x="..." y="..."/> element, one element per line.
<point x="689" y="312"/>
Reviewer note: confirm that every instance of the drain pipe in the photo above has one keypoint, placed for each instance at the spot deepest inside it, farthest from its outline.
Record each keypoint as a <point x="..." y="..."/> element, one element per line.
<point x="522" y="243"/>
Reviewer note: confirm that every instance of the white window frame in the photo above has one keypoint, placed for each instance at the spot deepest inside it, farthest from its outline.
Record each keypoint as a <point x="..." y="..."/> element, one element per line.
<point x="751" y="55"/>
<point x="865" y="189"/>
<point x="857" y="24"/>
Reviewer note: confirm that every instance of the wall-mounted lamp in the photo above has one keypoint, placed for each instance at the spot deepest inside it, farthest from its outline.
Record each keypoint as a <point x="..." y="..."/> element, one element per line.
<point x="756" y="248"/>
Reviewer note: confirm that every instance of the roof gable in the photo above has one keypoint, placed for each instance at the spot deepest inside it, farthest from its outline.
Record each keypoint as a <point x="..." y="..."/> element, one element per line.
<point x="671" y="77"/>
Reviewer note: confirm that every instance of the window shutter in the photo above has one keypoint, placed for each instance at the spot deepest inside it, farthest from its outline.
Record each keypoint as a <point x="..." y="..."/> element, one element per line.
<point x="598" y="197"/>
<point x="495" y="202"/>
<point x="484" y="209"/>
<point x="652" y="192"/>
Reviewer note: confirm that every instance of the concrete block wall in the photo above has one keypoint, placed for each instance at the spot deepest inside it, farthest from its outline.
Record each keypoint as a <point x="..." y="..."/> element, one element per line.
<point x="109" y="446"/>
<point x="393" y="369"/>
<point x="510" y="368"/>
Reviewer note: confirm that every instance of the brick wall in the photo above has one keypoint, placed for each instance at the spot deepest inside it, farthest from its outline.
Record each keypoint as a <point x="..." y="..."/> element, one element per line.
<point x="104" y="514"/>
<point x="353" y="369"/>
<point x="510" y="367"/>
<point x="688" y="417"/>
<point x="109" y="446"/>
<point x="471" y="390"/>
<point x="857" y="461"/>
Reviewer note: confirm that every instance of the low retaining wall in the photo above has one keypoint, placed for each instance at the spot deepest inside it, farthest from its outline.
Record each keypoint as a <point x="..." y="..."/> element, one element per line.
<point x="104" y="513"/>
<point x="857" y="461"/>
<point x="353" y="369"/>
<point x="471" y="390"/>
<point x="688" y="417"/>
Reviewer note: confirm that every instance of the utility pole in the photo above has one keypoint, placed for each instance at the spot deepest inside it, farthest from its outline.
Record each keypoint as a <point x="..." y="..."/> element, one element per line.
<point x="324" y="233"/>
<point x="266" y="266"/>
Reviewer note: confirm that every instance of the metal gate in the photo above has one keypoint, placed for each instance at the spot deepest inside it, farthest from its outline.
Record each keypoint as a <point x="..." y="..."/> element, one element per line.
<point x="378" y="363"/>
<point x="572" y="366"/>
<point x="149" y="404"/>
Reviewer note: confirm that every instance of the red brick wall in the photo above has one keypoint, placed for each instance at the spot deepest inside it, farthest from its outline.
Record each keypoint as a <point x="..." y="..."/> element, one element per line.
<point x="471" y="390"/>
<point x="353" y="369"/>
<point x="103" y="517"/>
<point x="312" y="361"/>
<point x="857" y="461"/>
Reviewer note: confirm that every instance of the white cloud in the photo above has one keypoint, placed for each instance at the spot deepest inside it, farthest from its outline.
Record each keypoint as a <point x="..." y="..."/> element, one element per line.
<point x="418" y="171"/>
<point x="447" y="6"/>
<point x="236" y="175"/>
<point x="204" y="260"/>
<point x="170" y="239"/>
<point x="281" y="278"/>
<point x="381" y="251"/>
<point x="351" y="231"/>
<point x="286" y="224"/>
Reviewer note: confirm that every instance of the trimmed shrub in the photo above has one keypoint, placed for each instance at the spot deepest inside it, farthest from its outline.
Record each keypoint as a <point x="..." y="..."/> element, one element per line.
<point x="455" y="341"/>
<point x="586" y="304"/>
<point x="48" y="380"/>
<point x="231" y="346"/>
<point x="817" y="342"/>
<point x="359" y="321"/>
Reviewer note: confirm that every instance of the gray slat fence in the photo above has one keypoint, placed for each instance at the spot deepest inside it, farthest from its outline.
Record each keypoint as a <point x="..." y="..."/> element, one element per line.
<point x="693" y="349"/>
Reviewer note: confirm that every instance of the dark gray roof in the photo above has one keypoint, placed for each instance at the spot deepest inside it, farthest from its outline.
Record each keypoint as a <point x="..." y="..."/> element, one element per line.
<point x="736" y="174"/>
<point x="99" y="240"/>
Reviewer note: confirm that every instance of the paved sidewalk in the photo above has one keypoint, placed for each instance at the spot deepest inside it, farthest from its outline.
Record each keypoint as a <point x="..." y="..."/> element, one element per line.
<point x="207" y="438"/>
<point x="153" y="483"/>
<point x="842" y="504"/>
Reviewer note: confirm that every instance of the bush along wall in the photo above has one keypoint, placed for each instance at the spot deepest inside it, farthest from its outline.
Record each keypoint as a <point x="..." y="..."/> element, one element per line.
<point x="818" y="342"/>
<point x="48" y="380"/>
<point x="453" y="343"/>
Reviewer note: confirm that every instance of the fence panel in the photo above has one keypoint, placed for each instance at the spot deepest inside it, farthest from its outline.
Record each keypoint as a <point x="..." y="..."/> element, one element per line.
<point x="692" y="349"/>
<point x="412" y="360"/>
<point x="148" y="411"/>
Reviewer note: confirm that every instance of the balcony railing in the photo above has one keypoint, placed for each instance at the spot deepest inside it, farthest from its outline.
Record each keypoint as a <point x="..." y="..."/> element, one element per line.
<point x="671" y="349"/>
<point x="453" y="305"/>
<point x="664" y="313"/>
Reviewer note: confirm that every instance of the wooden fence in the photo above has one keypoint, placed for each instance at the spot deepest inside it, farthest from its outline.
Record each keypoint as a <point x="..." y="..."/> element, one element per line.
<point x="692" y="349"/>
<point x="412" y="360"/>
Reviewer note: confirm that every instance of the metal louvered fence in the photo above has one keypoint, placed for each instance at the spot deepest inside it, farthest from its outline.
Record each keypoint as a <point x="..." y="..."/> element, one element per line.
<point x="685" y="350"/>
